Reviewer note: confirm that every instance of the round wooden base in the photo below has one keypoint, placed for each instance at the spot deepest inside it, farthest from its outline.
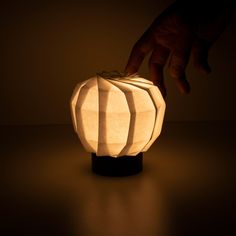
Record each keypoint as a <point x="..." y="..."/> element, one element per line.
<point x="119" y="166"/>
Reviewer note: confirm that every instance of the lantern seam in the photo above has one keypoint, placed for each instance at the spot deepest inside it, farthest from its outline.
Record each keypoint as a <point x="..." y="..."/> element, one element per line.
<point x="131" y="114"/>
<point x="77" y="90"/>
<point x="82" y="136"/>
<point x="159" y="107"/>
<point x="154" y="104"/>
<point x="110" y="81"/>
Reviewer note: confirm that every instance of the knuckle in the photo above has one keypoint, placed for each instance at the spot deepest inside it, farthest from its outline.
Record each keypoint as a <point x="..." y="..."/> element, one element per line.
<point x="176" y="71"/>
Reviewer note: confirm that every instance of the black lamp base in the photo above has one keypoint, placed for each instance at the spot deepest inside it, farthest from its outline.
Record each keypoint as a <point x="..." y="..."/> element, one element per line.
<point x="119" y="166"/>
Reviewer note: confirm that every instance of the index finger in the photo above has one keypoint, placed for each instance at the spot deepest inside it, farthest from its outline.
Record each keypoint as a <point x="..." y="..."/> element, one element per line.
<point x="141" y="48"/>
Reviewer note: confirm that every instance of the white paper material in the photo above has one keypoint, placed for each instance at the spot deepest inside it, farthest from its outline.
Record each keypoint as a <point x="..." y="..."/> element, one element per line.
<point x="117" y="116"/>
<point x="74" y="100"/>
<point x="87" y="115"/>
<point x="142" y="117"/>
<point x="114" y="119"/>
<point x="159" y="104"/>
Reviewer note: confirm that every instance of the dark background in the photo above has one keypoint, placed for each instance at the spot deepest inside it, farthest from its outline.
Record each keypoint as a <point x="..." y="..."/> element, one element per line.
<point x="47" y="47"/>
<point x="187" y="187"/>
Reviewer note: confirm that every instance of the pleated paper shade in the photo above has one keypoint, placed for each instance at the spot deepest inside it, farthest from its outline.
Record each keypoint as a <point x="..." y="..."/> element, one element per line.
<point x="117" y="115"/>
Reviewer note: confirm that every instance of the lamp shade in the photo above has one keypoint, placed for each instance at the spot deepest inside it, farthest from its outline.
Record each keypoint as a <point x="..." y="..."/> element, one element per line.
<point x="116" y="115"/>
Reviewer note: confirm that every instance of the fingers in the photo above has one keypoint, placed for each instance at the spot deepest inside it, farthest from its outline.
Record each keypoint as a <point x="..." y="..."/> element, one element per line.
<point x="144" y="45"/>
<point x="177" y="65"/>
<point x="157" y="76"/>
<point x="182" y="84"/>
<point x="157" y="62"/>
<point x="200" y="56"/>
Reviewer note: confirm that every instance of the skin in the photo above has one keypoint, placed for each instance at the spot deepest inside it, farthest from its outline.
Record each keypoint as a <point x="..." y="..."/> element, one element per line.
<point x="174" y="37"/>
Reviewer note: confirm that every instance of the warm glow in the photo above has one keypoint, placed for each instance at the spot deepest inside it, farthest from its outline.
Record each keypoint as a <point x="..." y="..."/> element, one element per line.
<point x="116" y="115"/>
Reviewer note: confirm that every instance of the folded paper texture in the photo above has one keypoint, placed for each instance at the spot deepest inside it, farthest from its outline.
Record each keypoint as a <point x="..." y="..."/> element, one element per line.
<point x="117" y="116"/>
<point x="114" y="119"/>
<point x="87" y="115"/>
<point x="156" y="97"/>
<point x="142" y="119"/>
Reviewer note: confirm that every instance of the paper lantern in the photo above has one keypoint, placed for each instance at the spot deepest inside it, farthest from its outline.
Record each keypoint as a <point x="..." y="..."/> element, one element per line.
<point x="116" y="115"/>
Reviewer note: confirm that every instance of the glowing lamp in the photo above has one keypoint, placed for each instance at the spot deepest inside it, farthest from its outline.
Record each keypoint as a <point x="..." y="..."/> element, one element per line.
<point x="117" y="118"/>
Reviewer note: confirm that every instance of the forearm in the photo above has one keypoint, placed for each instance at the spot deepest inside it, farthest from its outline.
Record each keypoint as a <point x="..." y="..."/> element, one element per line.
<point x="208" y="18"/>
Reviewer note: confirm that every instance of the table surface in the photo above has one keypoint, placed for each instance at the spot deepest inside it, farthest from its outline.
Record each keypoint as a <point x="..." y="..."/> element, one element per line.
<point x="186" y="187"/>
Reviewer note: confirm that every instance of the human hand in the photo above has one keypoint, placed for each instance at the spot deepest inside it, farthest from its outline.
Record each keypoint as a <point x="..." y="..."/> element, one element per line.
<point x="171" y="39"/>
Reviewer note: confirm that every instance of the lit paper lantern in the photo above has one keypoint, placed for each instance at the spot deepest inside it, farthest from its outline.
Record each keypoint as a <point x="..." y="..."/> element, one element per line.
<point x="116" y="115"/>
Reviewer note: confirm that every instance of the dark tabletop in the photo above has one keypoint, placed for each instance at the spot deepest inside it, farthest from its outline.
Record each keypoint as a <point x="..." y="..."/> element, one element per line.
<point x="187" y="186"/>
